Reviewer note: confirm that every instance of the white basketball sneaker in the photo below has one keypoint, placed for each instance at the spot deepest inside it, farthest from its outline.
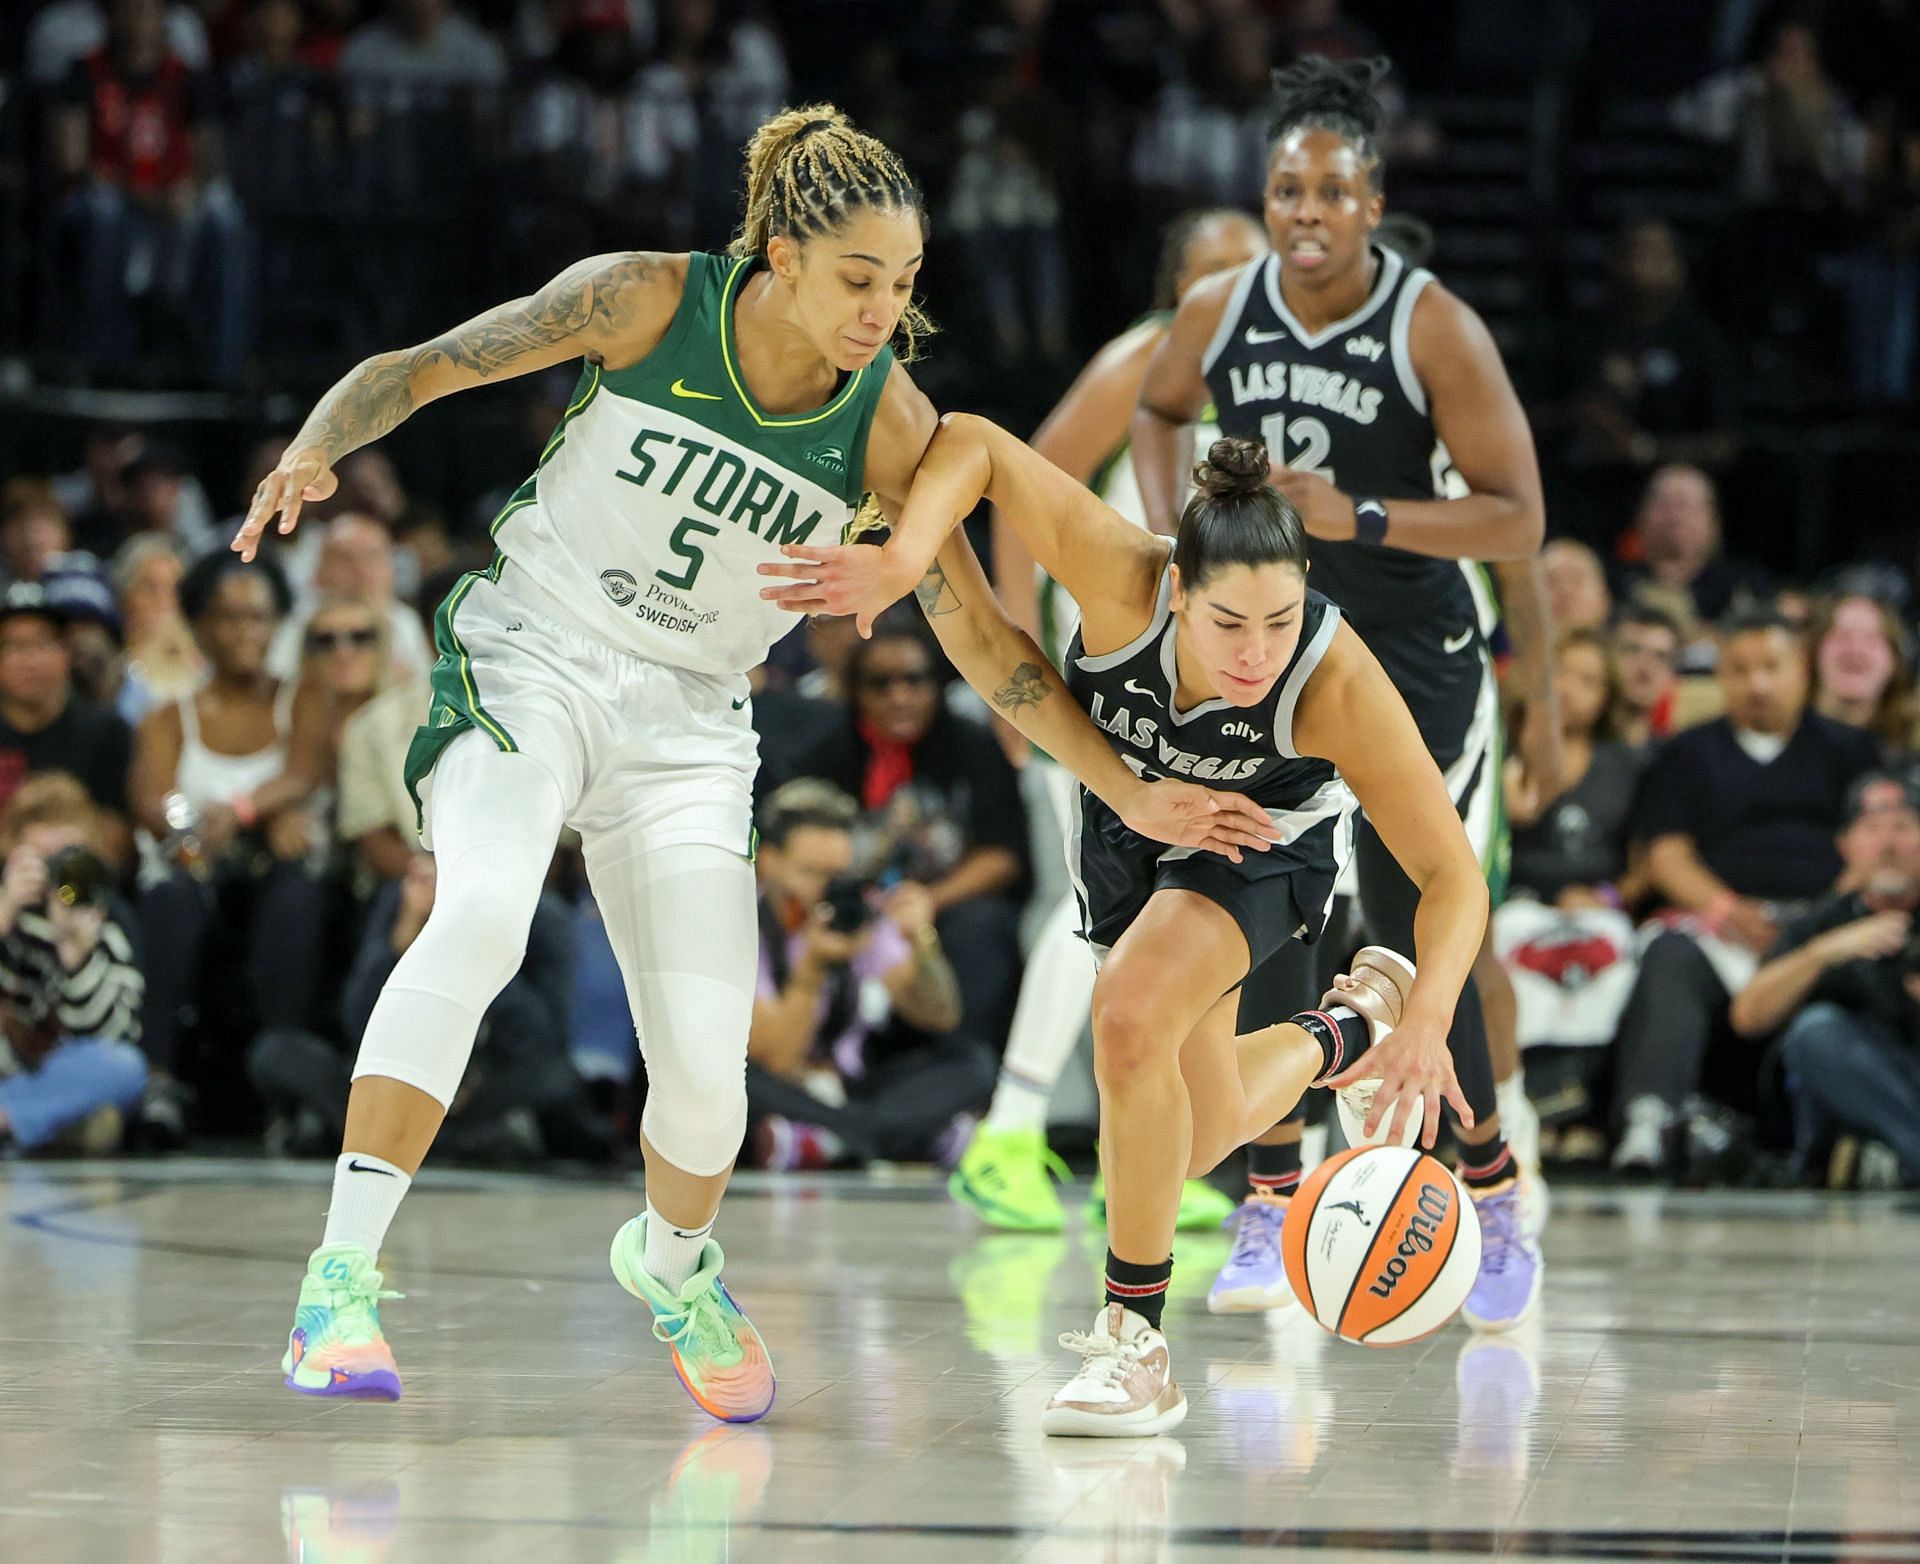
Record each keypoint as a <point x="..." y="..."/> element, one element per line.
<point x="1125" y="1388"/>
<point x="1376" y="989"/>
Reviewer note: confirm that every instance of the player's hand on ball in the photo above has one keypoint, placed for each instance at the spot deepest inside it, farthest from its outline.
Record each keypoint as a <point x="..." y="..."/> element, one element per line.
<point x="1413" y="1062"/>
<point x="848" y="578"/>
<point x="1326" y="512"/>
<point x="1184" y="814"/>
<point x="303" y="476"/>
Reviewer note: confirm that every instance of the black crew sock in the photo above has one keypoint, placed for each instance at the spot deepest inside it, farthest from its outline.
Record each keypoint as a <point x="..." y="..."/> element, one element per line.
<point x="1341" y="1033"/>
<point x="1274" y="1170"/>
<point x="1483" y="1166"/>
<point x="1142" y="1288"/>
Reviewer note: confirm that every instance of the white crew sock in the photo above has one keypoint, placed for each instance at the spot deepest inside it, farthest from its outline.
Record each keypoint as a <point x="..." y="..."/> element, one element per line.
<point x="672" y="1253"/>
<point x="1055" y="996"/>
<point x="367" y="1190"/>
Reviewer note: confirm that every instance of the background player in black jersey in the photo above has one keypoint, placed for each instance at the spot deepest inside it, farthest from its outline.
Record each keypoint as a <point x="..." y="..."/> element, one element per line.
<point x="1397" y="435"/>
<point x="1206" y="658"/>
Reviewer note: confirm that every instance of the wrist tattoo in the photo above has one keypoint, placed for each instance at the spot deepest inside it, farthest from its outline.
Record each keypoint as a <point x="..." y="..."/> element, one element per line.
<point x="1027" y="687"/>
<point x="936" y="595"/>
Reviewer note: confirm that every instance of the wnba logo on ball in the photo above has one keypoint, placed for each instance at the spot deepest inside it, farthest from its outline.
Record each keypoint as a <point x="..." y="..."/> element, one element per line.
<point x="1428" y="1218"/>
<point x="621" y="587"/>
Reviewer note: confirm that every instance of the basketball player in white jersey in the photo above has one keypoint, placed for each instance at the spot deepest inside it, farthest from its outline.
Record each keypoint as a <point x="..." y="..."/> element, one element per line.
<point x="1004" y="1175"/>
<point x="595" y="675"/>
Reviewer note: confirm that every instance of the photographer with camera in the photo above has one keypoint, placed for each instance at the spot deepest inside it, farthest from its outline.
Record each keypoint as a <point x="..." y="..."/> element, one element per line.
<point x="838" y="960"/>
<point x="70" y="991"/>
<point x="1844" y="981"/>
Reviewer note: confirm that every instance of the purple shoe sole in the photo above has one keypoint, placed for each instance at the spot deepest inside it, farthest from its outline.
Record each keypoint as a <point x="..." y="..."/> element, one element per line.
<point x="381" y="1385"/>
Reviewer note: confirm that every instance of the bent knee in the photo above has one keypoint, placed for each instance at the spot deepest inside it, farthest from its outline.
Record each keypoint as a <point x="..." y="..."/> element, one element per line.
<point x="1126" y="1042"/>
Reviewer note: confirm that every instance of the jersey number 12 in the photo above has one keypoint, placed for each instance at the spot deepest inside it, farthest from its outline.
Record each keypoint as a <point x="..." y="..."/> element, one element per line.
<point x="1311" y="443"/>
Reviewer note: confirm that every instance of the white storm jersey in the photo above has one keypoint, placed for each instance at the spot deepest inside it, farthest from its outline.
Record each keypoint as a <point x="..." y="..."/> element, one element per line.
<point x="664" y="487"/>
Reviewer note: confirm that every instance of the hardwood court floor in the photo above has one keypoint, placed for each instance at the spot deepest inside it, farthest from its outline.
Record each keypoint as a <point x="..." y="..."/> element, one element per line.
<point x="1713" y="1378"/>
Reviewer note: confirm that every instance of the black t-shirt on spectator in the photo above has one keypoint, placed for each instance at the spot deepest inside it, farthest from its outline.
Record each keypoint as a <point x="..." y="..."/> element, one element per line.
<point x="86" y="741"/>
<point x="1767" y="830"/>
<point x="1581" y="837"/>
<point x="1874" y="988"/>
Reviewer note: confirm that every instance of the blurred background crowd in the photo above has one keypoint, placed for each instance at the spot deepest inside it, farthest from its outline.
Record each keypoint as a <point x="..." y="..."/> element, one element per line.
<point x="1694" y="227"/>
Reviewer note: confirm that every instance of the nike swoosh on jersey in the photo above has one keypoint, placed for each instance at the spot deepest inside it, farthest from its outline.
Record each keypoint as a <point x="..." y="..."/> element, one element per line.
<point x="1255" y="336"/>
<point x="740" y="705"/>
<point x="679" y="388"/>
<point x="1457" y="643"/>
<point x="1141" y="689"/>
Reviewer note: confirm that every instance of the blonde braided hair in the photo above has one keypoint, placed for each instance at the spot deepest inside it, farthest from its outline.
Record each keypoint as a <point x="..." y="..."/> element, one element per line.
<point x="808" y="170"/>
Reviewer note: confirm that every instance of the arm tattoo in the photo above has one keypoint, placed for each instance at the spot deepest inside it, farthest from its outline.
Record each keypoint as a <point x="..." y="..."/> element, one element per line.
<point x="587" y="301"/>
<point x="936" y="595"/>
<point x="1027" y="687"/>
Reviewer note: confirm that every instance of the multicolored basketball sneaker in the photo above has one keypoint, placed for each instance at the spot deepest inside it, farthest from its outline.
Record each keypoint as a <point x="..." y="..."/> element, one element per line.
<point x="1002" y="1178"/>
<point x="717" y="1353"/>
<point x="336" y="1348"/>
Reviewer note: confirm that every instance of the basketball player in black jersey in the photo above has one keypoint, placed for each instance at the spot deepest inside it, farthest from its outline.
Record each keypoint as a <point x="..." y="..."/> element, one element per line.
<point x="1205" y="658"/>
<point x="1397" y="435"/>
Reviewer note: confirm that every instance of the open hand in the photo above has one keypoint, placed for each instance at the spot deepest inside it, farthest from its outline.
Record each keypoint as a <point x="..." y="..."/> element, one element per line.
<point x="302" y="476"/>
<point x="1186" y="814"/>
<point x="1412" y="1064"/>
<point x="848" y="578"/>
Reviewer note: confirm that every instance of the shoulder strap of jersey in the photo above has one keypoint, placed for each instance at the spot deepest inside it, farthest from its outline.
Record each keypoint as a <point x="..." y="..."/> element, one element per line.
<point x="1400" y="336"/>
<point x="1305" y="660"/>
<point x="1156" y="626"/>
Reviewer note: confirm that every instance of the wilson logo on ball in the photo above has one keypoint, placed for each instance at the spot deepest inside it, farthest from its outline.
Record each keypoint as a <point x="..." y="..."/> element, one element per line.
<point x="1423" y="1227"/>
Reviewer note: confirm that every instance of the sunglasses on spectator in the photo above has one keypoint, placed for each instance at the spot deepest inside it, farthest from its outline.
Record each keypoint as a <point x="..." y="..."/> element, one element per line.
<point x="321" y="641"/>
<point x="919" y="679"/>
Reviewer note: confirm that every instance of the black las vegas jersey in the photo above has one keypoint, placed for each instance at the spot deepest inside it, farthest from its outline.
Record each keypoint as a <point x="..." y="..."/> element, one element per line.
<point x="1345" y="403"/>
<point x="1241" y="749"/>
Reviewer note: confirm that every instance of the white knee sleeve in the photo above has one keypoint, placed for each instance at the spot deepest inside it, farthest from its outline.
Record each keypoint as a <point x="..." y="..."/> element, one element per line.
<point x="496" y="817"/>
<point x="682" y="923"/>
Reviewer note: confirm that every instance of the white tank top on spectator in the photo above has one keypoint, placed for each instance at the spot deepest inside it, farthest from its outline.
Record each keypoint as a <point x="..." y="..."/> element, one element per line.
<point x="208" y="777"/>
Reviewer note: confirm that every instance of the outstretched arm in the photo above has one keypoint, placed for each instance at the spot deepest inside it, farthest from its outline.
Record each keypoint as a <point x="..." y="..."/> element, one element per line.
<point x="611" y="308"/>
<point x="1088" y="548"/>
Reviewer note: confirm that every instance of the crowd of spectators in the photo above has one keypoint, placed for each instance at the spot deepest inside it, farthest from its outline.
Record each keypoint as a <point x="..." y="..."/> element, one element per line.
<point x="212" y="860"/>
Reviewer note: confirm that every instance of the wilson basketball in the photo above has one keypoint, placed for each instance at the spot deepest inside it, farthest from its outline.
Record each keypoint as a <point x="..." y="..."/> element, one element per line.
<point x="1382" y="1245"/>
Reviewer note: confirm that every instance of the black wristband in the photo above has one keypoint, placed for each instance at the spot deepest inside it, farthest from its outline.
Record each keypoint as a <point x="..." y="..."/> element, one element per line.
<point x="1369" y="521"/>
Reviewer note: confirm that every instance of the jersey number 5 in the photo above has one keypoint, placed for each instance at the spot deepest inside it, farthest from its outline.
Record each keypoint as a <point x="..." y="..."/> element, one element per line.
<point x="1311" y="443"/>
<point x="684" y="543"/>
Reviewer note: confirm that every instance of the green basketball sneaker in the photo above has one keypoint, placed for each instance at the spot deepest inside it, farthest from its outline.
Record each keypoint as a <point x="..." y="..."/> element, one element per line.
<point x="1002" y="1178"/>
<point x="1202" y="1207"/>
<point x="717" y="1353"/>
<point x="336" y="1348"/>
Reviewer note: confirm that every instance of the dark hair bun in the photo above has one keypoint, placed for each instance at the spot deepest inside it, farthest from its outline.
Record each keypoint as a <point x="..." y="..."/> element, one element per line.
<point x="1232" y="467"/>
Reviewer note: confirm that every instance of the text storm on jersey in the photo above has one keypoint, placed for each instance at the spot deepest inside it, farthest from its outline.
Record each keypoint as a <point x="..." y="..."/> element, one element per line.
<point x="721" y="483"/>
